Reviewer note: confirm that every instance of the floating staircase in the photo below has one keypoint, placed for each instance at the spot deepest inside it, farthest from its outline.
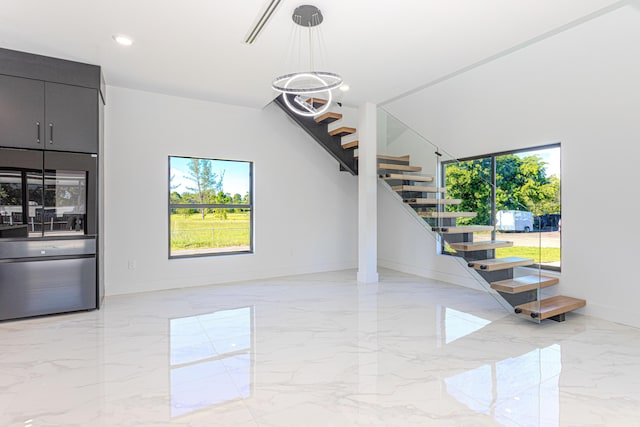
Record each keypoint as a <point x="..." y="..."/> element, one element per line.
<point x="327" y="129"/>
<point x="429" y="202"/>
<point x="522" y="293"/>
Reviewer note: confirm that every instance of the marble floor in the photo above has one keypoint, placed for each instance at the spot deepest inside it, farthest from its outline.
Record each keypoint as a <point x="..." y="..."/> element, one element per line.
<point x="316" y="350"/>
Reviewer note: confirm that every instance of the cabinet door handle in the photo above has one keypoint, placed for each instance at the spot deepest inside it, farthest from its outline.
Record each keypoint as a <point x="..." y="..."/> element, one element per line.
<point x="38" y="132"/>
<point x="50" y="133"/>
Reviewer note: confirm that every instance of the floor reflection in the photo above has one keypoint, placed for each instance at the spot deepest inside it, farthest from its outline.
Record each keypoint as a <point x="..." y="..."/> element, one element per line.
<point x="211" y="359"/>
<point x="521" y="390"/>
<point x="456" y="324"/>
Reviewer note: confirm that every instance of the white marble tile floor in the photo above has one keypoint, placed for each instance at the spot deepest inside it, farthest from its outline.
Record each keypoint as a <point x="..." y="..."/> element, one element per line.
<point x="316" y="350"/>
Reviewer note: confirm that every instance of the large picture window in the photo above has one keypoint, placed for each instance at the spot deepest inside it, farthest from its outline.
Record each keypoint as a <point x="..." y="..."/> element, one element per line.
<point x="525" y="208"/>
<point x="210" y="207"/>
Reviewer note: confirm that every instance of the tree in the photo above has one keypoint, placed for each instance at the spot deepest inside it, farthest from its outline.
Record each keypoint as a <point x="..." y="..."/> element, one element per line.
<point x="207" y="182"/>
<point x="469" y="181"/>
<point x="521" y="184"/>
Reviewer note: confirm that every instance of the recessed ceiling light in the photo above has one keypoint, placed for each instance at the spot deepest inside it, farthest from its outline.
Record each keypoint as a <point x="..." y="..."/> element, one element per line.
<point x="123" y="40"/>
<point x="344" y="87"/>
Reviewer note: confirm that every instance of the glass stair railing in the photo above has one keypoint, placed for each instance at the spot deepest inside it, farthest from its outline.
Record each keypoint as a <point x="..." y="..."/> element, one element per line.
<point x="457" y="201"/>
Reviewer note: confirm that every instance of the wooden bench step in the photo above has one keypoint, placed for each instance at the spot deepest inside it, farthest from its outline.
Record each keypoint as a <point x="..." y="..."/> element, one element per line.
<point x="550" y="307"/>
<point x="462" y="229"/>
<point x="480" y="246"/>
<point x="496" y="264"/>
<point x="342" y="131"/>
<point x="406" y="168"/>
<point x="448" y="214"/>
<point x="524" y="283"/>
<point x="419" y="188"/>
<point x="328" y="117"/>
<point x="407" y="177"/>
<point x="352" y="144"/>
<point x="433" y="201"/>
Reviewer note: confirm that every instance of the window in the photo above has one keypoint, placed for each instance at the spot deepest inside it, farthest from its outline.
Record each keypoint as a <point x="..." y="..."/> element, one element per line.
<point x="210" y="207"/>
<point x="525" y="208"/>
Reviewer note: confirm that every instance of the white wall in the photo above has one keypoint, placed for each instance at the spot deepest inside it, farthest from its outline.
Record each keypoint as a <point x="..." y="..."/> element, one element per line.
<point x="305" y="208"/>
<point x="405" y="244"/>
<point x="580" y="88"/>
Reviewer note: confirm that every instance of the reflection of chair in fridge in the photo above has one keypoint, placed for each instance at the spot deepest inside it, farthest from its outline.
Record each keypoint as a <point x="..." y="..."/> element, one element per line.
<point x="73" y="222"/>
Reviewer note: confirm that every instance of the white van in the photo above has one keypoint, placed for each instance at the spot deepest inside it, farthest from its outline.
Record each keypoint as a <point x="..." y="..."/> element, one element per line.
<point x="514" y="221"/>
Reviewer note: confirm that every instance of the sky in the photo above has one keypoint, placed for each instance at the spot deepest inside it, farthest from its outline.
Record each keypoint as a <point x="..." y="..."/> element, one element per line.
<point x="236" y="175"/>
<point x="551" y="156"/>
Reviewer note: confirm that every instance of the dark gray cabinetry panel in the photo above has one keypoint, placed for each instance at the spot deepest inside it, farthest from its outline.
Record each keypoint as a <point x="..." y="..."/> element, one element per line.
<point x="21" y="112"/>
<point x="33" y="288"/>
<point x="71" y="117"/>
<point x="49" y="116"/>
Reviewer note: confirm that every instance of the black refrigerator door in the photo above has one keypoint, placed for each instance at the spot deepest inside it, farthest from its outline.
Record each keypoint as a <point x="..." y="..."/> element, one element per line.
<point x="20" y="193"/>
<point x="70" y="194"/>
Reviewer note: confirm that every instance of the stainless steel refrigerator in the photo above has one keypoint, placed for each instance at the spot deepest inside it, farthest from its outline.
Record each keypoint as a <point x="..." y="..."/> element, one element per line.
<point x="48" y="232"/>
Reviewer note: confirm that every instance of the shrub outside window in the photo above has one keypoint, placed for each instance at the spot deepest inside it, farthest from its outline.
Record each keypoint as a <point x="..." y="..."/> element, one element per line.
<point x="210" y="207"/>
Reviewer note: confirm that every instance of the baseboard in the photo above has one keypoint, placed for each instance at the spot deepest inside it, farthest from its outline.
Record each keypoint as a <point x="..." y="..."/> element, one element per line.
<point x="461" y="280"/>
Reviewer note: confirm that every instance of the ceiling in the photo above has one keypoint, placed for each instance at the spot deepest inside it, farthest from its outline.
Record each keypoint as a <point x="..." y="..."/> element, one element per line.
<point x="194" y="48"/>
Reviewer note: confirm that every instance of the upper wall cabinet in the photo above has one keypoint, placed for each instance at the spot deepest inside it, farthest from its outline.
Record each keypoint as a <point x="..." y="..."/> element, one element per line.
<point x="71" y="118"/>
<point x="21" y="112"/>
<point x="49" y="103"/>
<point x="50" y="116"/>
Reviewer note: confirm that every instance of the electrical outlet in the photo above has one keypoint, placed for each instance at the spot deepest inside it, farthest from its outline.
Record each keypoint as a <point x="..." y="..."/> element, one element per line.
<point x="132" y="264"/>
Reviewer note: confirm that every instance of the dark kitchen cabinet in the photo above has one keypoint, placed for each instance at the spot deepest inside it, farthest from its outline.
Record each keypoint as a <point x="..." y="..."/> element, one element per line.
<point x="51" y="137"/>
<point x="49" y="116"/>
<point x="21" y="112"/>
<point x="71" y="118"/>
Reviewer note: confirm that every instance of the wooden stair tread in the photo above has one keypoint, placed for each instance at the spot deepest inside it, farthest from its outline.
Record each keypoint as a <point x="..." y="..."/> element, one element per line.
<point x="342" y="130"/>
<point x="352" y="144"/>
<point x="524" y="283"/>
<point x="419" y="188"/>
<point x="480" y="246"/>
<point x="420" y="178"/>
<point x="316" y="101"/>
<point x="448" y="214"/>
<point x="495" y="264"/>
<point x="329" y="116"/>
<point x="433" y="201"/>
<point x="395" y="158"/>
<point x="407" y="168"/>
<point x="550" y="307"/>
<point x="404" y="159"/>
<point x="462" y="229"/>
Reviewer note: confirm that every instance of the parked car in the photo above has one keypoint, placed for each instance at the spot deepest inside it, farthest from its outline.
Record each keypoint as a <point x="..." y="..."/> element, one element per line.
<point x="514" y="221"/>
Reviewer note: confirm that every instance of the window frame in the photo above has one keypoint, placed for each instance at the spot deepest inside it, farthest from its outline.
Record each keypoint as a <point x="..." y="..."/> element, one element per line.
<point x="249" y="206"/>
<point x="492" y="157"/>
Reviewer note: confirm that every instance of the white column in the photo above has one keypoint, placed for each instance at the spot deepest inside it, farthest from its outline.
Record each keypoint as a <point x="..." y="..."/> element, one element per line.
<point x="367" y="195"/>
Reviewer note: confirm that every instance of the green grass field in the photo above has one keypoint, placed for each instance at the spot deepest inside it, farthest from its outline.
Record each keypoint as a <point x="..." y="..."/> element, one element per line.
<point x="191" y="232"/>
<point x="548" y="254"/>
